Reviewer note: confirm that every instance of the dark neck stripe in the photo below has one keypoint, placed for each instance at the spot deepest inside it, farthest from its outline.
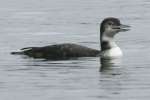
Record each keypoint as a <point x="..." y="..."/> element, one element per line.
<point x="105" y="45"/>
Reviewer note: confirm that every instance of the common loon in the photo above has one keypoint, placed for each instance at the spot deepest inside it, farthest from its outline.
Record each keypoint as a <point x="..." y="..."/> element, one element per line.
<point x="109" y="27"/>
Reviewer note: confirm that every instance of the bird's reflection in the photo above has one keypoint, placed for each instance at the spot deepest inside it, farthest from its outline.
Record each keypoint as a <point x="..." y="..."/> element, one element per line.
<point x="107" y="64"/>
<point x="111" y="75"/>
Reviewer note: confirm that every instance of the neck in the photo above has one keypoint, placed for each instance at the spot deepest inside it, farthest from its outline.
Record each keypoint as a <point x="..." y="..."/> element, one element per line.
<point x="107" y="43"/>
<point x="109" y="48"/>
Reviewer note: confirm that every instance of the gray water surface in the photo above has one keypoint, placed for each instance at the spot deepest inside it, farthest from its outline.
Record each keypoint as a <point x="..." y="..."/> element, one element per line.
<point x="26" y="23"/>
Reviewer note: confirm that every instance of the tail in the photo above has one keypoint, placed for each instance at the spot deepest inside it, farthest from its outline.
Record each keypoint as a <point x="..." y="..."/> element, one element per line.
<point x="22" y="51"/>
<point x="16" y="53"/>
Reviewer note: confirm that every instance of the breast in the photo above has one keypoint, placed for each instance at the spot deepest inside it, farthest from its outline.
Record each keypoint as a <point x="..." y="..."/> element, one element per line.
<point x="112" y="53"/>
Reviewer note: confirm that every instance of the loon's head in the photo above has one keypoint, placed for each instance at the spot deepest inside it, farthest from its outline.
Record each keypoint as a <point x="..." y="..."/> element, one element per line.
<point x="108" y="29"/>
<point x="111" y="26"/>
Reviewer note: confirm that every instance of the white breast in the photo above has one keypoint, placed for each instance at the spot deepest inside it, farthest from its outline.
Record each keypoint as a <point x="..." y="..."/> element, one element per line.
<point x="112" y="53"/>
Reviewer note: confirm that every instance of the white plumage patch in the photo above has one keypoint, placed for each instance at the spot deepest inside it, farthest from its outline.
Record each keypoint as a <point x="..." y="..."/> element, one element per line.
<point x="114" y="52"/>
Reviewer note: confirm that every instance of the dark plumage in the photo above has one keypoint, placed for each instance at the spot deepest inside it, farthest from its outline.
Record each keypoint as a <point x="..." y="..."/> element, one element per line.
<point x="108" y="20"/>
<point x="59" y="51"/>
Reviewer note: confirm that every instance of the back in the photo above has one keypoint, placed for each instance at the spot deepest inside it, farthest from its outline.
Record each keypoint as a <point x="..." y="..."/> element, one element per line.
<point x="61" y="51"/>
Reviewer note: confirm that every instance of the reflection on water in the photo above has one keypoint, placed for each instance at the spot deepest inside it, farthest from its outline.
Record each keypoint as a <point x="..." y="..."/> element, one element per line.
<point x="108" y="64"/>
<point x="110" y="74"/>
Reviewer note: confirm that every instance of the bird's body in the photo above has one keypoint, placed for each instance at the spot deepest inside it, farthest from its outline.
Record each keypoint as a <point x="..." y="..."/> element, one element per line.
<point x="60" y="51"/>
<point x="108" y="29"/>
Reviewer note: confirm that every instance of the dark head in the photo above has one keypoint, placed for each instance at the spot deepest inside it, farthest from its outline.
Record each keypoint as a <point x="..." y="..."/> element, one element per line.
<point x="110" y="26"/>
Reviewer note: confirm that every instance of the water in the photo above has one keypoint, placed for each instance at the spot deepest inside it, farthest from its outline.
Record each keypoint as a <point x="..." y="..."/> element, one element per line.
<point x="44" y="22"/>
